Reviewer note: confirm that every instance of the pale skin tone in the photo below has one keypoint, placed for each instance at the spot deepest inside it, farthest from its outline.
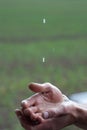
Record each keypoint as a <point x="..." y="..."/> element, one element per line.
<point x="49" y="109"/>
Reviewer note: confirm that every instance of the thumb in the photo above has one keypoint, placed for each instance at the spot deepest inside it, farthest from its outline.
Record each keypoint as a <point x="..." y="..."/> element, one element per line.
<point x="49" y="114"/>
<point x="54" y="112"/>
<point x="36" y="87"/>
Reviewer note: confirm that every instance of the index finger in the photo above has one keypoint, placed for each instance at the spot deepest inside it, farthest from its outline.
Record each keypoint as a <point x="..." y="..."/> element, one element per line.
<point x="29" y="102"/>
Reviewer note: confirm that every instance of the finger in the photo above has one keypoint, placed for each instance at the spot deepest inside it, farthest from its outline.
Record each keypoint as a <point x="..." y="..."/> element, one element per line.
<point x="25" y="121"/>
<point x="28" y="102"/>
<point x="18" y="113"/>
<point x="39" y="117"/>
<point x="35" y="87"/>
<point x="48" y="114"/>
<point x="54" y="113"/>
<point x="24" y="104"/>
<point x="45" y="87"/>
<point x="31" y="113"/>
<point x="30" y="110"/>
<point x="21" y="118"/>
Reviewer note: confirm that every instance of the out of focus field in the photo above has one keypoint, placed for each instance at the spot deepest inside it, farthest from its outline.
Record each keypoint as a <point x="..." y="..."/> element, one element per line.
<point x="25" y="41"/>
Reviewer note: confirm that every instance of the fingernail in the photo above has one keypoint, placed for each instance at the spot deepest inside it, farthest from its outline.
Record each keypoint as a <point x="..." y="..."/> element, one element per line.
<point x="45" y="115"/>
<point x="24" y="103"/>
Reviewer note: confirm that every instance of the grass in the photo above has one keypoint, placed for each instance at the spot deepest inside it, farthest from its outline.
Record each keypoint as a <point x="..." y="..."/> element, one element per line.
<point x="24" y="18"/>
<point x="65" y="67"/>
<point x="25" y="41"/>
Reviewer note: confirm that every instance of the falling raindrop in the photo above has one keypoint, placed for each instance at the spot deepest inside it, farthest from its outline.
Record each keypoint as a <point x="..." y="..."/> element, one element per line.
<point x="44" y="20"/>
<point x="43" y="59"/>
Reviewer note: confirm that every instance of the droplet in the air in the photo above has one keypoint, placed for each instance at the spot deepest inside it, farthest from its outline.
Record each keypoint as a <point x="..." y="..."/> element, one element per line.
<point x="44" y="20"/>
<point x="43" y="59"/>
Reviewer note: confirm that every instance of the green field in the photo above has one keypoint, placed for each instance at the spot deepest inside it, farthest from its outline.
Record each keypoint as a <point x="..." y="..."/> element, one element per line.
<point x="25" y="41"/>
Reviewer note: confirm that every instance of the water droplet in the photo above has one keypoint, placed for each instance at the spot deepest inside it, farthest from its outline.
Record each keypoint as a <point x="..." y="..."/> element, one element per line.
<point x="43" y="59"/>
<point x="44" y="20"/>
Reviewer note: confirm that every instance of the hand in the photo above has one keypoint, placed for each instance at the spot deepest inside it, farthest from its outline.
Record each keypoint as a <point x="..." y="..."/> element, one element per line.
<point x="77" y="113"/>
<point x="56" y="109"/>
<point x="47" y="96"/>
<point x="50" y="124"/>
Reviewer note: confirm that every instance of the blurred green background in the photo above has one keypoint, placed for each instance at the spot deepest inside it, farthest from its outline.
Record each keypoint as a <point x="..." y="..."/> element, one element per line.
<point x="25" y="41"/>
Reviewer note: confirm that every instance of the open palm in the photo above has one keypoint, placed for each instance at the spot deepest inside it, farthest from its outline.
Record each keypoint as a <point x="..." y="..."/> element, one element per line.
<point x="47" y="97"/>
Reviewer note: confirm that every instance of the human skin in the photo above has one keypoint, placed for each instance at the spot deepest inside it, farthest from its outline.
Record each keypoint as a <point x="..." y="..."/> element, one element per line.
<point x="50" y="109"/>
<point x="49" y="124"/>
<point x="47" y="96"/>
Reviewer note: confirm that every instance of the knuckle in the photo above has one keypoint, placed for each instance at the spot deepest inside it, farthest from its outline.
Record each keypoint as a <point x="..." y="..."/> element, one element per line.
<point x="47" y="83"/>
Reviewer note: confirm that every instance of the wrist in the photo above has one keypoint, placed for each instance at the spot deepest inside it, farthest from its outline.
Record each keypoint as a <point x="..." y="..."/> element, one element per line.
<point x="81" y="116"/>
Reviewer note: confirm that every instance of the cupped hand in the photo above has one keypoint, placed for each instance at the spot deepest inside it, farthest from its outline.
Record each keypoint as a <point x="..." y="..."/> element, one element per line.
<point x="47" y="97"/>
<point x="49" y="124"/>
<point x="49" y="109"/>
